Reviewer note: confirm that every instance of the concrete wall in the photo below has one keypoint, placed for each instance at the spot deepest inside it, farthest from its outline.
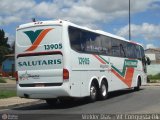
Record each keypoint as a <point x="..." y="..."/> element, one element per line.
<point x="151" y="56"/>
<point x="153" y="69"/>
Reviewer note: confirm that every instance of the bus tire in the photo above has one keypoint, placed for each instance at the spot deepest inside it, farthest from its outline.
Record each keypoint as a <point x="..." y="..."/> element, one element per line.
<point x="103" y="92"/>
<point x="51" y="102"/>
<point x="137" y="88"/>
<point x="93" y="92"/>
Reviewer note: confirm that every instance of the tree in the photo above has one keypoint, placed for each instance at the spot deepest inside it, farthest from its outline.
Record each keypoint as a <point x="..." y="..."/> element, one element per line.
<point x="13" y="48"/>
<point x="4" y="46"/>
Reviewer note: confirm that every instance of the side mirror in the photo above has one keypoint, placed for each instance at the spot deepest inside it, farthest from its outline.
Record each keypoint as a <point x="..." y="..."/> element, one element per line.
<point x="148" y="61"/>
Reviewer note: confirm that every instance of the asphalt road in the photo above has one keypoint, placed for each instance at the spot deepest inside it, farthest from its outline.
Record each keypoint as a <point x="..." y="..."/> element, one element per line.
<point x="145" y="101"/>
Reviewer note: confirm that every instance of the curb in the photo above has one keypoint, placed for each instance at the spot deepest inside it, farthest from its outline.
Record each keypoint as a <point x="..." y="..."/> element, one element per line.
<point x="7" y="83"/>
<point x="152" y="84"/>
<point x="20" y="105"/>
<point x="5" y="86"/>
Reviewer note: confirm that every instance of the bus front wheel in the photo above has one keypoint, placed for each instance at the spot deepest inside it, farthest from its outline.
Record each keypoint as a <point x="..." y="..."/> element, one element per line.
<point x="93" y="92"/>
<point x="137" y="88"/>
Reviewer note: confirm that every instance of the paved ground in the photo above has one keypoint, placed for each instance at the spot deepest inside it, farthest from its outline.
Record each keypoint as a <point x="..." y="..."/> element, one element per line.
<point x="13" y="101"/>
<point x="11" y="81"/>
<point x="7" y="86"/>
<point x="10" y="85"/>
<point x="16" y="101"/>
<point x="147" y="100"/>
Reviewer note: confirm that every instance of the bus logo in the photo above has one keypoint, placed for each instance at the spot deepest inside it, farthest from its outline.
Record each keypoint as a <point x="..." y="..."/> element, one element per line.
<point x="36" y="37"/>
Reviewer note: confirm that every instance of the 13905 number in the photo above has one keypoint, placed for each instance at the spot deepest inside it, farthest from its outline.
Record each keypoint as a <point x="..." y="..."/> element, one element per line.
<point x="53" y="46"/>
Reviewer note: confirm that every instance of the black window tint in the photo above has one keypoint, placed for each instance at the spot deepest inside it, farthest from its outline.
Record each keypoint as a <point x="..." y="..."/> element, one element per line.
<point x="75" y="39"/>
<point x="131" y="50"/>
<point x="142" y="52"/>
<point x="85" y="41"/>
<point x="106" y="45"/>
<point x="115" y="47"/>
<point x="96" y="43"/>
<point x="91" y="42"/>
<point x="123" y="46"/>
<point x="138" y="52"/>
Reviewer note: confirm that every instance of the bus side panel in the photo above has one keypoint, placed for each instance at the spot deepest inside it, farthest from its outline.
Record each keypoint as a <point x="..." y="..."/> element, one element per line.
<point x="117" y="73"/>
<point x="85" y="68"/>
<point x="139" y="72"/>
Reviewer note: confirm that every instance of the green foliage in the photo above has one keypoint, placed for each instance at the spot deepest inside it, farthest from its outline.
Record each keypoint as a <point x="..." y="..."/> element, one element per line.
<point x="155" y="77"/>
<point x="3" y="39"/>
<point x="4" y="46"/>
<point x="2" y="80"/>
<point x="7" y="93"/>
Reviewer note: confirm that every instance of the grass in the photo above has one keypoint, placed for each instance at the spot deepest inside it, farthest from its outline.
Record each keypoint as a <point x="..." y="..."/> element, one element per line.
<point x="154" y="78"/>
<point x="2" y="80"/>
<point x="7" y="93"/>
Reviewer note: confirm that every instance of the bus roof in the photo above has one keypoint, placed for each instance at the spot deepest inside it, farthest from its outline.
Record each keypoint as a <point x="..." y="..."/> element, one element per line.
<point x="68" y="23"/>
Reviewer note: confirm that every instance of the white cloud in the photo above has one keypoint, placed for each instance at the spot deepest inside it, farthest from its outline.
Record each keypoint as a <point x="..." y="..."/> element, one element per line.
<point x="15" y="11"/>
<point x="46" y="9"/>
<point x="149" y="33"/>
<point x="9" y="7"/>
<point x="11" y="38"/>
<point x="146" y="31"/>
<point x="9" y="19"/>
<point x="113" y="9"/>
<point x="84" y="12"/>
<point x="90" y="13"/>
<point x="150" y="46"/>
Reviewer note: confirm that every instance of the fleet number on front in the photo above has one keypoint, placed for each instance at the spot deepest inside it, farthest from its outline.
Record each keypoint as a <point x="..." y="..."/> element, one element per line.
<point x="53" y="46"/>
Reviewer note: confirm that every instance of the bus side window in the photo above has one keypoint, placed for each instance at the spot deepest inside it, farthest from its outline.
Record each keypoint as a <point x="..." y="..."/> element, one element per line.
<point x="97" y="48"/>
<point x="115" y="48"/>
<point x="131" y="52"/>
<point x="138" y="52"/>
<point x="122" y="50"/>
<point x="85" y="41"/>
<point x="143" y="59"/>
<point x="106" y="45"/>
<point x="74" y="35"/>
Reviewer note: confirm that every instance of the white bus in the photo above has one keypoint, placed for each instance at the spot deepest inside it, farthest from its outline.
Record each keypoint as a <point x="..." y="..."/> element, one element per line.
<point x="57" y="59"/>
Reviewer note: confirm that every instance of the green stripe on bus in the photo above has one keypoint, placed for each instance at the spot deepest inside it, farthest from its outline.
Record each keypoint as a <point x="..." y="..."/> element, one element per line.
<point x="127" y="63"/>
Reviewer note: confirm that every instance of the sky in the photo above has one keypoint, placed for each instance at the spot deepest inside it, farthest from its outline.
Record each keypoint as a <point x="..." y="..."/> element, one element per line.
<point x="108" y="15"/>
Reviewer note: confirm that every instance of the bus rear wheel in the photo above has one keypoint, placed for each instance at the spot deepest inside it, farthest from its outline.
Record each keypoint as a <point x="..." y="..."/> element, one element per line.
<point x="103" y="92"/>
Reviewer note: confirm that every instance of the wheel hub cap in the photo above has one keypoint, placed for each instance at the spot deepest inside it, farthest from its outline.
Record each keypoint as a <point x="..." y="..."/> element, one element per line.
<point x="104" y="90"/>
